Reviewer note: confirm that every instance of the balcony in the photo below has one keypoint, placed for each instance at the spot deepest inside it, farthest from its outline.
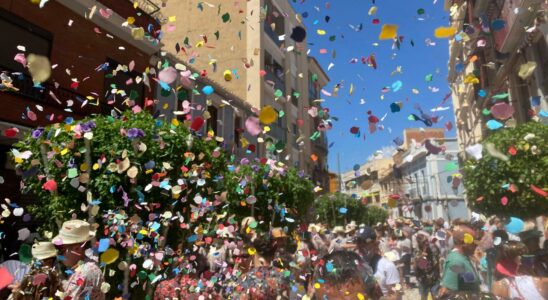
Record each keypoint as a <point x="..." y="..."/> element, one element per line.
<point x="279" y="82"/>
<point x="148" y="11"/>
<point x="507" y="39"/>
<point x="43" y="95"/>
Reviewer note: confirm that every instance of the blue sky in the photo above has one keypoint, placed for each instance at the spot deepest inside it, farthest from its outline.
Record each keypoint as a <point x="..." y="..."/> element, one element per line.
<point x="416" y="62"/>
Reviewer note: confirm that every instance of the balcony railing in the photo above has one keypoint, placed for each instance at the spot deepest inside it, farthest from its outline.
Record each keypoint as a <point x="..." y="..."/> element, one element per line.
<point x="273" y="35"/>
<point x="27" y="89"/>
<point x="279" y="83"/>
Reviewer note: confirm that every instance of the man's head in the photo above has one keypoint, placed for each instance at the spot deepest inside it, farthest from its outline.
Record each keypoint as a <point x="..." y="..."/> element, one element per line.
<point x="367" y="242"/>
<point x="465" y="238"/>
<point x="73" y="240"/>
<point x="342" y="276"/>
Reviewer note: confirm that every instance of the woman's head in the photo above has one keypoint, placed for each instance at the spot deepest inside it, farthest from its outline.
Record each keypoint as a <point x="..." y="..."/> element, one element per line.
<point x="71" y="254"/>
<point x="509" y="258"/>
<point x="342" y="276"/>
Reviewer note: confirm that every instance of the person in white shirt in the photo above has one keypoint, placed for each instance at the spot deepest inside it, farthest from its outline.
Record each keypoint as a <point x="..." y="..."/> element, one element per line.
<point x="385" y="271"/>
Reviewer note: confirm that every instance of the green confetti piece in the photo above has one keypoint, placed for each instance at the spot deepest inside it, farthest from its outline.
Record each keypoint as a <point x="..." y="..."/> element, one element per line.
<point x="486" y="112"/>
<point x="226" y="17"/>
<point x="315" y="136"/>
<point x="296" y="94"/>
<point x="281" y="114"/>
<point x="420" y="11"/>
<point x="72" y="173"/>
<point x="452" y="166"/>
<point x="500" y="96"/>
<point x="165" y="93"/>
<point x="217" y="34"/>
<point x="332" y="38"/>
<point x="133" y="95"/>
<point x="278" y="93"/>
<point x="428" y="77"/>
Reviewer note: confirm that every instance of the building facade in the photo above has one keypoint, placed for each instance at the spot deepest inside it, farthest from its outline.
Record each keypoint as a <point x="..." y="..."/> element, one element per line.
<point x="500" y="49"/>
<point x="364" y="183"/>
<point x="421" y="184"/>
<point x="245" y="47"/>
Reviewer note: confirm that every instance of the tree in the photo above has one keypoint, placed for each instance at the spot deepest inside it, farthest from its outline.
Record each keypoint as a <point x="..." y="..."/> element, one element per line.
<point x="275" y="195"/>
<point x="510" y="179"/>
<point x="137" y="175"/>
<point x="336" y="208"/>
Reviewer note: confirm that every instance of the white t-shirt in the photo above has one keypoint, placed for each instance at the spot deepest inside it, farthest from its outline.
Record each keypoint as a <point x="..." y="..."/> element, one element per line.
<point x="386" y="274"/>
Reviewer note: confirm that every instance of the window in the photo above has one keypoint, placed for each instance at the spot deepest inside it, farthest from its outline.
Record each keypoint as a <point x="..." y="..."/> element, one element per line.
<point x="182" y="95"/>
<point x="237" y="130"/>
<point x="121" y="90"/>
<point x="17" y="31"/>
<point x="274" y="23"/>
<point x="295" y="98"/>
<point x="212" y="121"/>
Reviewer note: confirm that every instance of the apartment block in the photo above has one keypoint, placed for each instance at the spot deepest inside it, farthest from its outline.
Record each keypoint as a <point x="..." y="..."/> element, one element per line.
<point x="245" y="48"/>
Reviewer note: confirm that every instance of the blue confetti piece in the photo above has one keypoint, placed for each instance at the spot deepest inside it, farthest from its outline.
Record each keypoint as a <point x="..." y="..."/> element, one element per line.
<point x="482" y="93"/>
<point x="343" y="210"/>
<point x="494" y="125"/>
<point x="535" y="101"/>
<point x="69" y="120"/>
<point x="329" y="267"/>
<point x="498" y="24"/>
<point x="208" y="90"/>
<point x="164" y="86"/>
<point x="396" y="86"/>
<point x="543" y="113"/>
<point x="103" y="245"/>
<point x="192" y="238"/>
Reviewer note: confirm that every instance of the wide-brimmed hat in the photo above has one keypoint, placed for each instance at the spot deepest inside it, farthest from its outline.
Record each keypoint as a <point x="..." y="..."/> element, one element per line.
<point x="314" y="228"/>
<point x="338" y="229"/>
<point x="43" y="250"/>
<point x="350" y="227"/>
<point x="278" y="232"/>
<point x="74" y="232"/>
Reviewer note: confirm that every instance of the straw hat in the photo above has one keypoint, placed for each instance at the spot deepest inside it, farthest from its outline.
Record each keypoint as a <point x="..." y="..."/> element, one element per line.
<point x="43" y="250"/>
<point x="314" y="228"/>
<point x="338" y="229"/>
<point x="350" y="227"/>
<point x="278" y="232"/>
<point x="74" y="232"/>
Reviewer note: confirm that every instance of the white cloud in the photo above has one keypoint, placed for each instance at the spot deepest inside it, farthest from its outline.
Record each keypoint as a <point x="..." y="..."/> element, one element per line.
<point x="385" y="152"/>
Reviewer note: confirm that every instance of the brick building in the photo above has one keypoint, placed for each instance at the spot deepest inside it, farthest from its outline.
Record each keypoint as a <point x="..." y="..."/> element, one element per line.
<point x="79" y="37"/>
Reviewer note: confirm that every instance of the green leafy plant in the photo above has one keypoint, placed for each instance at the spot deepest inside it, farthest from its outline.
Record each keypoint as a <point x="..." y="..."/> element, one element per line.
<point x="275" y="195"/>
<point x="338" y="208"/>
<point x="130" y="163"/>
<point x="510" y="181"/>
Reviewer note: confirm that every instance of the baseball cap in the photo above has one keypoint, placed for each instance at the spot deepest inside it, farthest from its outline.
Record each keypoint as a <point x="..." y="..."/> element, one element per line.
<point x="366" y="235"/>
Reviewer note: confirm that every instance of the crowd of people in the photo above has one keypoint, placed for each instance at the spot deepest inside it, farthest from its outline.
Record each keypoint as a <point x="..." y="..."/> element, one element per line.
<point x="478" y="259"/>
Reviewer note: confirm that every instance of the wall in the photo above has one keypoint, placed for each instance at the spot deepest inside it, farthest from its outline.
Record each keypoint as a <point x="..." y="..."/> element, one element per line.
<point x="77" y="48"/>
<point x="228" y="52"/>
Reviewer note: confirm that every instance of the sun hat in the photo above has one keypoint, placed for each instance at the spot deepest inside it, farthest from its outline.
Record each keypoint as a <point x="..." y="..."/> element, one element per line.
<point x="74" y="232"/>
<point x="43" y="250"/>
<point x="314" y="228"/>
<point x="350" y="227"/>
<point x="278" y="232"/>
<point x="338" y="229"/>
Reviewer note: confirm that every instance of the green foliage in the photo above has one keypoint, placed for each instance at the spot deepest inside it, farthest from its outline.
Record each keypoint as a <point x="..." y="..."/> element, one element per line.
<point x="328" y="210"/>
<point x="176" y="154"/>
<point x="278" y="193"/>
<point x="490" y="179"/>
